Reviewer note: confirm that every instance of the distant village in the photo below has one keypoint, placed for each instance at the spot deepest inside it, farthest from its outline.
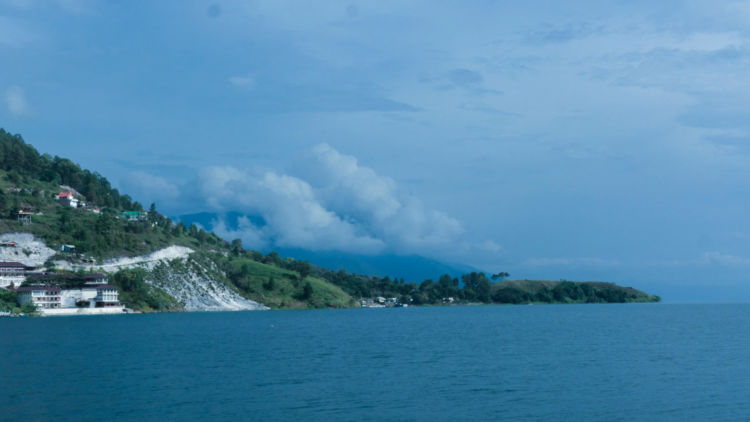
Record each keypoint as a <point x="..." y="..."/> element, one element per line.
<point x="381" y="302"/>
<point x="53" y="293"/>
<point x="60" y="294"/>
<point x="69" y="197"/>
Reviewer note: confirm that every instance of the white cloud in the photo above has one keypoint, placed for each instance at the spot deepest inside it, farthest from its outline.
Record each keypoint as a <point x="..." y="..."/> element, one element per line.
<point x="716" y="257"/>
<point x="247" y="82"/>
<point x="375" y="203"/>
<point x="252" y="237"/>
<point x="76" y="7"/>
<point x="149" y="186"/>
<point x="338" y="205"/>
<point x="294" y="216"/>
<point x="73" y="7"/>
<point x="489" y="246"/>
<point x="569" y="262"/>
<point x="708" y="258"/>
<point x="15" y="100"/>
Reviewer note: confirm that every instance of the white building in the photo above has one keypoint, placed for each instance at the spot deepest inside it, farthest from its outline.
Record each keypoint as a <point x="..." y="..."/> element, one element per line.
<point x="42" y="297"/>
<point x="12" y="272"/>
<point x="67" y="198"/>
<point x="81" y="294"/>
<point x="97" y="296"/>
<point x="107" y="296"/>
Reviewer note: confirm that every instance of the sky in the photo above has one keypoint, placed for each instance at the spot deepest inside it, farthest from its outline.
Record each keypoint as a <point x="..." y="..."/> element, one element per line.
<point x="597" y="140"/>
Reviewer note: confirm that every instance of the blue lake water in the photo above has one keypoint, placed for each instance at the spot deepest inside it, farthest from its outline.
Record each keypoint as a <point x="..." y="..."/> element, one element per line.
<point x="655" y="362"/>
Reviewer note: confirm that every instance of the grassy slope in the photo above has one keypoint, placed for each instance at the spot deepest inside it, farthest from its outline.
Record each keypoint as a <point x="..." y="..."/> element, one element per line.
<point x="286" y="290"/>
<point x="122" y="238"/>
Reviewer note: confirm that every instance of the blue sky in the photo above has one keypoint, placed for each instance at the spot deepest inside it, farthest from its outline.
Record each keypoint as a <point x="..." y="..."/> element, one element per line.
<point x="576" y="140"/>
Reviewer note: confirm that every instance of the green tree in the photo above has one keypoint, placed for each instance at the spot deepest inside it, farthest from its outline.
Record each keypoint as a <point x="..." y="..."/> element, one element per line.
<point x="307" y="291"/>
<point x="236" y="246"/>
<point x="270" y="284"/>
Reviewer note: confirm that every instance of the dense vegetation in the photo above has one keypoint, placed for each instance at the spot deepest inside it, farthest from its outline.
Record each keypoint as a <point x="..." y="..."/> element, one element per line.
<point x="281" y="283"/>
<point x="9" y="303"/>
<point x="22" y="162"/>
<point x="141" y="296"/>
<point x="476" y="287"/>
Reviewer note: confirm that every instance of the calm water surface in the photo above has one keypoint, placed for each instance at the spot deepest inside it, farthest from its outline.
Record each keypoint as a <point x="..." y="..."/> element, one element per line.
<point x="517" y="363"/>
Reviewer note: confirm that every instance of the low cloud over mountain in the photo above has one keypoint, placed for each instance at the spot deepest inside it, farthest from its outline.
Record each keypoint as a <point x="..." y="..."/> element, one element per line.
<point x="335" y="204"/>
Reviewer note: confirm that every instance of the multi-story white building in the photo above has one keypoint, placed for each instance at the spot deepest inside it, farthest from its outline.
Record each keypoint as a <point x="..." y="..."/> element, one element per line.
<point x="12" y="272"/>
<point x="42" y="297"/>
<point x="97" y="296"/>
<point x="70" y="294"/>
<point x="107" y="295"/>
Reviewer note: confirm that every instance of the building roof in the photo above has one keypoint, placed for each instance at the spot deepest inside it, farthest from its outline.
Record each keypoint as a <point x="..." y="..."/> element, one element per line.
<point x="12" y="265"/>
<point x="38" y="288"/>
<point x="93" y="286"/>
<point x="70" y="279"/>
<point x="65" y="195"/>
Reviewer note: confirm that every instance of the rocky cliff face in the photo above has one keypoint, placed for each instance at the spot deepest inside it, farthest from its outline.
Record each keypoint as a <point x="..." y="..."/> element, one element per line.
<point x="29" y="250"/>
<point x="195" y="285"/>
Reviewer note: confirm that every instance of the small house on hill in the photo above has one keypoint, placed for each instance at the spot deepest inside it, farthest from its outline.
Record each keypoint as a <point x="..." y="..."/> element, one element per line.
<point x="67" y="248"/>
<point x="24" y="216"/>
<point x="134" y="215"/>
<point x="67" y="198"/>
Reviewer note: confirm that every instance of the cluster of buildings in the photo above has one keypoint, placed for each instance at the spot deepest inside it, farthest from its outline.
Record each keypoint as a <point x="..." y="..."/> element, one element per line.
<point x="60" y="294"/>
<point x="380" y="302"/>
<point x="134" y="215"/>
<point x="69" y="198"/>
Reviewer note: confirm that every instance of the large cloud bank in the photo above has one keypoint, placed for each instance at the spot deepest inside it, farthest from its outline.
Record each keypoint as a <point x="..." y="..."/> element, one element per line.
<point x="337" y="204"/>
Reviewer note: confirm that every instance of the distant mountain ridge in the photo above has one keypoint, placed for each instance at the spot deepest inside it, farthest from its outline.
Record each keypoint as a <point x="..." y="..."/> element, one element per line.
<point x="410" y="267"/>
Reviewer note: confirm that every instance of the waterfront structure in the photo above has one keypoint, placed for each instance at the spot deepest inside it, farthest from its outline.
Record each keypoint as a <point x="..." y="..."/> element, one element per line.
<point x="42" y="297"/>
<point x="71" y="291"/>
<point x="107" y="296"/>
<point x="90" y="296"/>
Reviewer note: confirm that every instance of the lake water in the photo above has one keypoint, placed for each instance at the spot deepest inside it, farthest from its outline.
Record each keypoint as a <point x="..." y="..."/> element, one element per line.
<point x="655" y="362"/>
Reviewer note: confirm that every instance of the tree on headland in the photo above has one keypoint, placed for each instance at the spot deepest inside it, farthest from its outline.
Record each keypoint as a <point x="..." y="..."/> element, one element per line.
<point x="499" y="276"/>
<point x="307" y="291"/>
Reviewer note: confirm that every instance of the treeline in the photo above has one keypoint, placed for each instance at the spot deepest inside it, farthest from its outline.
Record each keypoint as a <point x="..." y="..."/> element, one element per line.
<point x="21" y="160"/>
<point x="476" y="287"/>
<point x="517" y="292"/>
<point x="470" y="287"/>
